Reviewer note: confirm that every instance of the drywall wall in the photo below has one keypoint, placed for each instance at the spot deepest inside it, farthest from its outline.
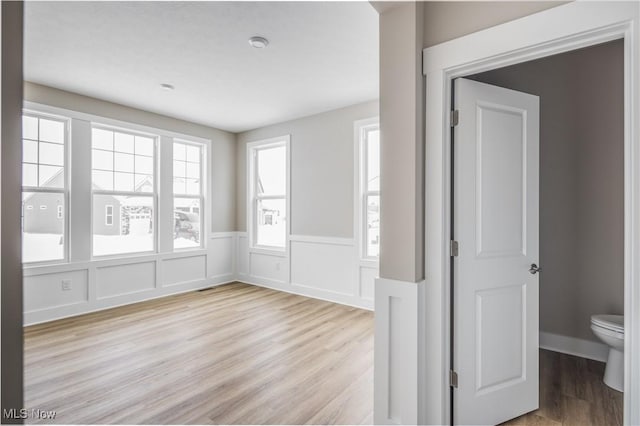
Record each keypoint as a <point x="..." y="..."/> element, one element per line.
<point x="222" y="157"/>
<point x="581" y="182"/>
<point x="402" y="143"/>
<point x="322" y="174"/>
<point x="446" y="20"/>
<point x="11" y="344"/>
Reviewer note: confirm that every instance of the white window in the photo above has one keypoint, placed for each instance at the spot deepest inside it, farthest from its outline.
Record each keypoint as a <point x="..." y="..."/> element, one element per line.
<point x="188" y="190"/>
<point x="368" y="221"/>
<point x="268" y="168"/>
<point x="123" y="177"/>
<point x="44" y="183"/>
<point x="108" y="215"/>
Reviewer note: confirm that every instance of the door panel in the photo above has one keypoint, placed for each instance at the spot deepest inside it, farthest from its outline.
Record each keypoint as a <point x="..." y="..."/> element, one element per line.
<point x="495" y="218"/>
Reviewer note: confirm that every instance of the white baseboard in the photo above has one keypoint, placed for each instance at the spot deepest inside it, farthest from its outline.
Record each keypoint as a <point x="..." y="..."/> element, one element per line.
<point x="574" y="346"/>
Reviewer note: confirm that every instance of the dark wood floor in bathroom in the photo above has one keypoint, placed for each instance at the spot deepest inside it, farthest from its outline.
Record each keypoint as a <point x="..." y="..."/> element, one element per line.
<point x="572" y="393"/>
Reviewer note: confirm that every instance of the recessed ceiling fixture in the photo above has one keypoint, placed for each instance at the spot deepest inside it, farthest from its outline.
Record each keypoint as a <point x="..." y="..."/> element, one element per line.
<point x="167" y="87"/>
<point x="258" y="42"/>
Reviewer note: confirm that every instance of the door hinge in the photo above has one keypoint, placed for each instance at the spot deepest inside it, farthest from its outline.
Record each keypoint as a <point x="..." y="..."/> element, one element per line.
<point x="453" y="248"/>
<point x="454" y="118"/>
<point x="453" y="379"/>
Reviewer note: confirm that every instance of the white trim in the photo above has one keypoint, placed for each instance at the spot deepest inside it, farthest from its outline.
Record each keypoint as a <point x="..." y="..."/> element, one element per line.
<point x="252" y="149"/>
<point x="110" y="122"/>
<point x="359" y="186"/>
<point x="574" y="346"/>
<point x="322" y="240"/>
<point x="559" y="29"/>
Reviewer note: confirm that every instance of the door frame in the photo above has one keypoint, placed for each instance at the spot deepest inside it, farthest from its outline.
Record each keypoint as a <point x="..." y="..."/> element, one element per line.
<point x="559" y="29"/>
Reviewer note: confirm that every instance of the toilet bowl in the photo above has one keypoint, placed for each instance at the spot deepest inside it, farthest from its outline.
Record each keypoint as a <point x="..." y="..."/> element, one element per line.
<point x="610" y="329"/>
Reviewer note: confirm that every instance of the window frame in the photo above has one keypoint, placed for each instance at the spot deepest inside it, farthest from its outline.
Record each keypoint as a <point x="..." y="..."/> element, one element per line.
<point x="362" y="192"/>
<point x="253" y="198"/>
<point x="202" y="195"/>
<point x="65" y="191"/>
<point x="153" y="195"/>
<point x="108" y="215"/>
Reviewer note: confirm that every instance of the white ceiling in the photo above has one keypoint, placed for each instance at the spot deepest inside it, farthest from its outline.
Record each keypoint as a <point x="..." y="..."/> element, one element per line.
<point x="321" y="56"/>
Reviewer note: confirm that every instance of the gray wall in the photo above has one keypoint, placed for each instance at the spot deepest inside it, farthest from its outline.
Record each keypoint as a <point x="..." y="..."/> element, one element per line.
<point x="446" y="20"/>
<point x="11" y="341"/>
<point x="223" y="143"/>
<point x="322" y="173"/>
<point x="581" y="182"/>
<point x="402" y="143"/>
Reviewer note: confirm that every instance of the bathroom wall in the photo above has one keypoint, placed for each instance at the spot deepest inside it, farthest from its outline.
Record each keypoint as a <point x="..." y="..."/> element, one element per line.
<point x="581" y="182"/>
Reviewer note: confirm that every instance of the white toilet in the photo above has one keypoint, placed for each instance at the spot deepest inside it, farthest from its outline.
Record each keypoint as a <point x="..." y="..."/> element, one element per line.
<point x="610" y="329"/>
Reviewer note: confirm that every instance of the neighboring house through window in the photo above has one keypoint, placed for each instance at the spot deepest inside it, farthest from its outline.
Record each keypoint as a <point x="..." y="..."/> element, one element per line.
<point x="123" y="177"/>
<point x="368" y="185"/>
<point x="44" y="184"/>
<point x="268" y="168"/>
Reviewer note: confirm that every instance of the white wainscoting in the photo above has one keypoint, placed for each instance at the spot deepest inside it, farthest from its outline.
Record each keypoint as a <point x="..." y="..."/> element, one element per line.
<point x="324" y="268"/>
<point x="400" y="354"/>
<point x="105" y="283"/>
<point x="319" y="267"/>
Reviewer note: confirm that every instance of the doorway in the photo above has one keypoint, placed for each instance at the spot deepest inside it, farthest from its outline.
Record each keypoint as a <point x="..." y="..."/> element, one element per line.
<point x="502" y="277"/>
<point x="558" y="30"/>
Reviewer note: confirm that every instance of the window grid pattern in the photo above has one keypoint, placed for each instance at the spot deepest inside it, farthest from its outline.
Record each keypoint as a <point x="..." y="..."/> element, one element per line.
<point x="43" y="152"/>
<point x="44" y="188"/>
<point x="187" y="169"/>
<point x="122" y="161"/>
<point x="188" y="191"/>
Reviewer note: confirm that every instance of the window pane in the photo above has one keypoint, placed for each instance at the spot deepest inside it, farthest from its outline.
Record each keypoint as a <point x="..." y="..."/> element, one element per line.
<point x="179" y="186"/>
<point x="102" y="139"/>
<point x="29" y="175"/>
<point x="193" y="170"/>
<point x="123" y="182"/>
<point x="123" y="142"/>
<point x="272" y="171"/>
<point x="271" y="223"/>
<point x="42" y="228"/>
<point x="29" y="151"/>
<point x="51" y="153"/>
<point x="144" y="165"/>
<point x="193" y="153"/>
<point x="179" y="151"/>
<point x="373" y="160"/>
<point x="51" y="177"/>
<point x="193" y="186"/>
<point x="123" y="162"/>
<point x="102" y="160"/>
<point x="51" y="131"/>
<point x="143" y="183"/>
<point x="29" y="127"/>
<point x="102" y="180"/>
<point x="373" y="225"/>
<point x="132" y="228"/>
<point x="186" y="215"/>
<point x="179" y="168"/>
<point x="144" y="146"/>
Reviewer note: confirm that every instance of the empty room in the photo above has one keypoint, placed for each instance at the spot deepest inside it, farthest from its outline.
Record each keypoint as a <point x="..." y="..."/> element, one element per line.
<point x="317" y="212"/>
<point x="200" y="211"/>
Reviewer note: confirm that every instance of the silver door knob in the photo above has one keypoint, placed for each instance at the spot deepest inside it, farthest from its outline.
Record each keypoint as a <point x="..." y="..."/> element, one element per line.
<point x="534" y="269"/>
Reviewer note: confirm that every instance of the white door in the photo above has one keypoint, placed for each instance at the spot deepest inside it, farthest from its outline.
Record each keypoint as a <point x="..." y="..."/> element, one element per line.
<point x="495" y="221"/>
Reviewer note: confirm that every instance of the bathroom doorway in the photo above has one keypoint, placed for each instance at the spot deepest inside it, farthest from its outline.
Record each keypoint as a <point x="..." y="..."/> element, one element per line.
<point x="581" y="230"/>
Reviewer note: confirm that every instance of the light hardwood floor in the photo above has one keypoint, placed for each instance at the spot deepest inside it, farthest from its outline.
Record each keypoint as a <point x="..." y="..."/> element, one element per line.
<point x="232" y="354"/>
<point x="572" y="393"/>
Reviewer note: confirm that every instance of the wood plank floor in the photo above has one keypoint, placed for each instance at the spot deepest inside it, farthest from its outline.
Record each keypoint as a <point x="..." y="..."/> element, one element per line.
<point x="572" y="393"/>
<point x="233" y="354"/>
